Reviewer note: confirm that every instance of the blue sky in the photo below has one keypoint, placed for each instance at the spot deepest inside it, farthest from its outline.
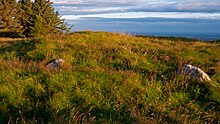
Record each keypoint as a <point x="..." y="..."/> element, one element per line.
<point x="201" y="16"/>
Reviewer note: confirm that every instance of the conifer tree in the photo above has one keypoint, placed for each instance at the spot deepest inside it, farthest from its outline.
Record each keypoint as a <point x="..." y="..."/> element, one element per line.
<point x="43" y="15"/>
<point x="25" y="16"/>
<point x="30" y="18"/>
<point x="8" y="12"/>
<point x="39" y="18"/>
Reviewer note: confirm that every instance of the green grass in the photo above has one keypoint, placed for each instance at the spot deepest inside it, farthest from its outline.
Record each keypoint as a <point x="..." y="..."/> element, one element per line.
<point x="107" y="78"/>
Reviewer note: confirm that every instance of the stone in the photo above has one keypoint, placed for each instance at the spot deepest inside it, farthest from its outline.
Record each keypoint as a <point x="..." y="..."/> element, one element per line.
<point x="194" y="72"/>
<point x="55" y="64"/>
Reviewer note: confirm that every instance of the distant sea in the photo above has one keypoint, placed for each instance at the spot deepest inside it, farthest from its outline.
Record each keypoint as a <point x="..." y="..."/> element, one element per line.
<point x="196" y="29"/>
<point x="199" y="36"/>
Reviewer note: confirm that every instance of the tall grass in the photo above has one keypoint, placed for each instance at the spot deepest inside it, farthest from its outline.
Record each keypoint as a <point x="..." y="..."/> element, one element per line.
<point x="107" y="78"/>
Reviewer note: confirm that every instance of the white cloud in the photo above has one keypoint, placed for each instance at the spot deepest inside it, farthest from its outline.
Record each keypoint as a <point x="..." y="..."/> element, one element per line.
<point x="177" y="15"/>
<point x="163" y="5"/>
<point x="196" y="5"/>
<point x="76" y="9"/>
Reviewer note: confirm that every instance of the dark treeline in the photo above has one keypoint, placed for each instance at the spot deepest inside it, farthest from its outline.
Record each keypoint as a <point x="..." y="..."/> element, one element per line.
<point x="30" y="18"/>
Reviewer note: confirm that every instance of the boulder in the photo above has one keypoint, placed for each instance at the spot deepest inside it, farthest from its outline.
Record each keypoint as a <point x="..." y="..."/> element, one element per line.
<point x="194" y="72"/>
<point x="55" y="64"/>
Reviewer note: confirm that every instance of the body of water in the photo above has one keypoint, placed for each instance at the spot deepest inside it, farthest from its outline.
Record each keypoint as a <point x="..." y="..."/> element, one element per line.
<point x="188" y="28"/>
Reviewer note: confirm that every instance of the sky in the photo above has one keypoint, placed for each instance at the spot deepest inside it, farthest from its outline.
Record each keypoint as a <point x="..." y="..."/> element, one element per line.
<point x="136" y="16"/>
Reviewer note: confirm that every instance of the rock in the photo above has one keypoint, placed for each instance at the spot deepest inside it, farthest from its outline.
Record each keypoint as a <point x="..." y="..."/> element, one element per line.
<point x="194" y="72"/>
<point x="55" y="64"/>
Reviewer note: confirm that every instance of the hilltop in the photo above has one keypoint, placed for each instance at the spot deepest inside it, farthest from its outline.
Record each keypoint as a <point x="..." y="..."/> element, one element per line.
<point x="107" y="78"/>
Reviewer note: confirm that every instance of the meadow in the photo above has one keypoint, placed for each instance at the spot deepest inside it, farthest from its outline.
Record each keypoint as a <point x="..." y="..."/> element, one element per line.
<point x="107" y="78"/>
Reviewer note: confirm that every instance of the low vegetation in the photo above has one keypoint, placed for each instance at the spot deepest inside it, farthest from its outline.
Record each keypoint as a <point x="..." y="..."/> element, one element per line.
<point x="107" y="78"/>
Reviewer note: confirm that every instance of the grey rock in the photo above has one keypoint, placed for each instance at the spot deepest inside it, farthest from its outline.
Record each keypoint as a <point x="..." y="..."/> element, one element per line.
<point x="194" y="72"/>
<point x="55" y="64"/>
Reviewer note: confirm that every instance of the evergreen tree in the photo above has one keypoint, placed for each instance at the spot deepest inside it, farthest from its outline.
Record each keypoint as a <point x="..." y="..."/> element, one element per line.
<point x="39" y="18"/>
<point x="30" y="18"/>
<point x="38" y="28"/>
<point x="25" y="16"/>
<point x="8" y="12"/>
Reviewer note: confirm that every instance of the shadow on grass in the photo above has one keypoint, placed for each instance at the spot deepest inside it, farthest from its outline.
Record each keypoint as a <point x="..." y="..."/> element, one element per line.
<point x="10" y="35"/>
<point x="21" y="48"/>
<point x="205" y="96"/>
<point x="34" y="108"/>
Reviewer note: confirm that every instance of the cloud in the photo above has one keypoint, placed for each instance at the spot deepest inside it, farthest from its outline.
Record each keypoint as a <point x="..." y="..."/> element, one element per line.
<point x="193" y="9"/>
<point x="178" y="15"/>
<point x="93" y="7"/>
<point x="145" y="5"/>
<point x="198" y="5"/>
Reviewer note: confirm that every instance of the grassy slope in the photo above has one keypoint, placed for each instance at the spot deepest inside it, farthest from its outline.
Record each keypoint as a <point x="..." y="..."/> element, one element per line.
<point x="107" y="77"/>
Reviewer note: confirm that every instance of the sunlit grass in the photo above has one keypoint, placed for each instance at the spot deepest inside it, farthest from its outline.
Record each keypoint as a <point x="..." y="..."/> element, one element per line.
<point x="107" y="78"/>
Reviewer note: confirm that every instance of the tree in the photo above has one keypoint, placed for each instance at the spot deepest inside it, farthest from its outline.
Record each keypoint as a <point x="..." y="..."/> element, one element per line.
<point x="30" y="18"/>
<point x="39" y="18"/>
<point x="38" y="28"/>
<point x="25" y="16"/>
<point x="8" y="20"/>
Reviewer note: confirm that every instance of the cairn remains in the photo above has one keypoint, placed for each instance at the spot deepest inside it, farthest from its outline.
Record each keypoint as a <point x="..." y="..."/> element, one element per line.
<point x="55" y="64"/>
<point x="194" y="72"/>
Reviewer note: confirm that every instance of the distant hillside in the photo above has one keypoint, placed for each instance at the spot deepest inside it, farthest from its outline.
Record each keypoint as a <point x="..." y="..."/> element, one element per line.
<point x="171" y="38"/>
<point x="107" y="78"/>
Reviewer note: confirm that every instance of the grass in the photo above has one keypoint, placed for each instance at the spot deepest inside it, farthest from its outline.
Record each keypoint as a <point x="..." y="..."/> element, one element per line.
<point x="107" y="78"/>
